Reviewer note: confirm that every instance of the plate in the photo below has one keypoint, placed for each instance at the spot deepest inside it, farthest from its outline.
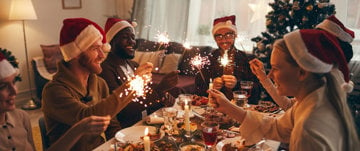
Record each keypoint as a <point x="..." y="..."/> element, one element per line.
<point x="135" y="133"/>
<point x="221" y="144"/>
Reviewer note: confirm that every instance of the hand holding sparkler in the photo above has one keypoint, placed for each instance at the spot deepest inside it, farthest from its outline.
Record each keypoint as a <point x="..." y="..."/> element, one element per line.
<point x="229" y="81"/>
<point x="218" y="83"/>
<point x="144" y="69"/>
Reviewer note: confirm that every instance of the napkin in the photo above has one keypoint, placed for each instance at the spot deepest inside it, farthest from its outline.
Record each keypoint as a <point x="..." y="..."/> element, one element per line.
<point x="154" y="120"/>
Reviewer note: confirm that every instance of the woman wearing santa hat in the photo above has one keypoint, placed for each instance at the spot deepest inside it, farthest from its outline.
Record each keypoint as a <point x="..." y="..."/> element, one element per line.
<point x="15" y="131"/>
<point x="332" y="25"/>
<point x="309" y="65"/>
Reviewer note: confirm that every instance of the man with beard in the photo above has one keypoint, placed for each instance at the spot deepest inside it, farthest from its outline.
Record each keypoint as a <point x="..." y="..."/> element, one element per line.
<point x="118" y="67"/>
<point x="227" y="79"/>
<point x="76" y="92"/>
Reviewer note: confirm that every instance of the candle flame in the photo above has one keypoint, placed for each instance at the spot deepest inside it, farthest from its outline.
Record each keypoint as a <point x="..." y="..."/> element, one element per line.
<point x="146" y="132"/>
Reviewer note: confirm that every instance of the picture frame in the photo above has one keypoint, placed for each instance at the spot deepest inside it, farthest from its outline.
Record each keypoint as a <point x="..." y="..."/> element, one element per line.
<point x="71" y="4"/>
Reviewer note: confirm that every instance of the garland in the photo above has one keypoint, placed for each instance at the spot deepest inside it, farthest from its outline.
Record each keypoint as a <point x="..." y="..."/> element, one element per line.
<point x="13" y="61"/>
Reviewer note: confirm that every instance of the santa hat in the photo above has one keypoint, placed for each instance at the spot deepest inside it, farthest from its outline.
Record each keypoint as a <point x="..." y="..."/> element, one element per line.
<point x="318" y="51"/>
<point x="6" y="69"/>
<point x="77" y="35"/>
<point x="224" y="22"/>
<point x="114" y="25"/>
<point x="335" y="27"/>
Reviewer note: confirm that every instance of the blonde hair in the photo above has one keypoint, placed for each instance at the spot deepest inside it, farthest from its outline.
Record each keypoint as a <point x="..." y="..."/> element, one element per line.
<point x="336" y="95"/>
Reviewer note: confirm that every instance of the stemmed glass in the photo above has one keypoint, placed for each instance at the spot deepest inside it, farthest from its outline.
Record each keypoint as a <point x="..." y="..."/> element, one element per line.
<point x="170" y="114"/>
<point x="209" y="131"/>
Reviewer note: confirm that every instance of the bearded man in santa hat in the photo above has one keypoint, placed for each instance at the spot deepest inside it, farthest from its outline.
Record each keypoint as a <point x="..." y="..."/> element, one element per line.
<point x="118" y="67"/>
<point x="76" y="92"/>
<point x="227" y="78"/>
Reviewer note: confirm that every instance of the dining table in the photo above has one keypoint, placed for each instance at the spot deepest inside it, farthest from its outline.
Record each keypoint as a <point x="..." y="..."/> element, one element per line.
<point x="272" y="145"/>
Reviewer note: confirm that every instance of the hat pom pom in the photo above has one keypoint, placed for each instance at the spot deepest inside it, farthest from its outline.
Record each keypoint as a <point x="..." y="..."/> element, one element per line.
<point x="228" y="22"/>
<point x="134" y="24"/>
<point x="106" y="47"/>
<point x="348" y="87"/>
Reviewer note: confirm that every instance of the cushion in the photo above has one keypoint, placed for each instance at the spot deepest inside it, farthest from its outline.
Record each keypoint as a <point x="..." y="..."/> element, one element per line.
<point x="171" y="62"/>
<point x="52" y="55"/>
<point x="155" y="57"/>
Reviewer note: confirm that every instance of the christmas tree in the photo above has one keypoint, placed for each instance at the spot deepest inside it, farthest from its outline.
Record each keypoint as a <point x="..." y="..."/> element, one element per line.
<point x="286" y="17"/>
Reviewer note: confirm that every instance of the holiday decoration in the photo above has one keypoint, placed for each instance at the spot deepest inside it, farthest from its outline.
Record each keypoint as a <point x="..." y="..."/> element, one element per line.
<point x="287" y="16"/>
<point x="13" y="61"/>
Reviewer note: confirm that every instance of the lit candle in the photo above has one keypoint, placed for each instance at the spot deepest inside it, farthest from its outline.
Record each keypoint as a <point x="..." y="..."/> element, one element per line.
<point x="211" y="84"/>
<point x="187" y="117"/>
<point x="146" y="140"/>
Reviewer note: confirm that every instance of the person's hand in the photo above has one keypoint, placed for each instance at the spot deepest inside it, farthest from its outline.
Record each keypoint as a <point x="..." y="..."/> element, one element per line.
<point x="218" y="83"/>
<point x="229" y="80"/>
<point x="94" y="124"/>
<point x="144" y="69"/>
<point x="169" y="81"/>
<point x="219" y="99"/>
<point x="257" y="68"/>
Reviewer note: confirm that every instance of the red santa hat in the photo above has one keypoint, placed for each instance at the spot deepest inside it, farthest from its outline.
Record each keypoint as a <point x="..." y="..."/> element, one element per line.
<point x="335" y="27"/>
<point x="224" y="22"/>
<point x="6" y="69"/>
<point x="77" y="35"/>
<point x="114" y="25"/>
<point x="318" y="51"/>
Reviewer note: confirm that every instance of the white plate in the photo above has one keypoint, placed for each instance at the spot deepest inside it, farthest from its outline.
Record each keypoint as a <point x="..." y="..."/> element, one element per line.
<point x="133" y="134"/>
<point x="221" y="144"/>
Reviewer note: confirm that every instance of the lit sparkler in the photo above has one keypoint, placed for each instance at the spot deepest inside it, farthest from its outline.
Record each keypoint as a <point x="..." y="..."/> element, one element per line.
<point x="162" y="38"/>
<point x="199" y="62"/>
<point x="139" y="86"/>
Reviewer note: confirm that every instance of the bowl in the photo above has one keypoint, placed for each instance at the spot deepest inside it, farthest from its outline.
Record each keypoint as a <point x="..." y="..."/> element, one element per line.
<point x="192" y="146"/>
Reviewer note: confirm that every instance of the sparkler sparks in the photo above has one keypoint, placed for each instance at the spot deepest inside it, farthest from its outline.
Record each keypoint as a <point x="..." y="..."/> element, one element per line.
<point x="199" y="62"/>
<point x="139" y="87"/>
<point x="163" y="38"/>
<point x="224" y="60"/>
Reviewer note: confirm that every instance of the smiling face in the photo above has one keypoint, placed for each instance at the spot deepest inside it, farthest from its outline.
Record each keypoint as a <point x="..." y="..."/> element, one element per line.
<point x="92" y="58"/>
<point x="284" y="72"/>
<point x="8" y="92"/>
<point x="225" y="38"/>
<point x="123" y="43"/>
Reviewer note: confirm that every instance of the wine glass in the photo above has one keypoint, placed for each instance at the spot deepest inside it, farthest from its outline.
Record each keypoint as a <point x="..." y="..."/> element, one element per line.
<point x="170" y="114"/>
<point x="209" y="131"/>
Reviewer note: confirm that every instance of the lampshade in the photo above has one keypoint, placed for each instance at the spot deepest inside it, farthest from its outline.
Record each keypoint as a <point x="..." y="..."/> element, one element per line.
<point x="22" y="10"/>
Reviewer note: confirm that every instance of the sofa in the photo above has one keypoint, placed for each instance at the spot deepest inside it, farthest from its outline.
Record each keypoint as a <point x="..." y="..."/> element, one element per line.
<point x="166" y="58"/>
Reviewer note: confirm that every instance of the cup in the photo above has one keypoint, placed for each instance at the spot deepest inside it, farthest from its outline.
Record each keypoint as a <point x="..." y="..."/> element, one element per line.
<point x="183" y="98"/>
<point x="240" y="98"/>
<point x="247" y="86"/>
<point x="209" y="131"/>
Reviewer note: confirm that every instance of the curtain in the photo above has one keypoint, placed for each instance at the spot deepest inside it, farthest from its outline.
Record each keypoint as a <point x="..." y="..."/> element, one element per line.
<point x="191" y="20"/>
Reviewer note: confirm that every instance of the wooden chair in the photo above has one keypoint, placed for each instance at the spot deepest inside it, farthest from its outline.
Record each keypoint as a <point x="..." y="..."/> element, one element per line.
<point x="44" y="137"/>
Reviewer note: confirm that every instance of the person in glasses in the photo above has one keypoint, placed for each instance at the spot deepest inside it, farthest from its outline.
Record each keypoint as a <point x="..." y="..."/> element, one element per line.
<point x="226" y="78"/>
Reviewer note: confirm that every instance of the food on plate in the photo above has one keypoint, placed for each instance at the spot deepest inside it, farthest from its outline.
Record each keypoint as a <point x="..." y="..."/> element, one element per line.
<point x="199" y="100"/>
<point x="153" y="137"/>
<point x="192" y="147"/>
<point x="237" y="145"/>
<point x="266" y="107"/>
<point x="158" y="146"/>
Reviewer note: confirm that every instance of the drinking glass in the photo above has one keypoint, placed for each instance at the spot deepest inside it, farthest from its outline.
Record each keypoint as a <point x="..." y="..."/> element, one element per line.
<point x="183" y="98"/>
<point x="246" y="86"/>
<point x="169" y="114"/>
<point x="240" y="98"/>
<point x="209" y="131"/>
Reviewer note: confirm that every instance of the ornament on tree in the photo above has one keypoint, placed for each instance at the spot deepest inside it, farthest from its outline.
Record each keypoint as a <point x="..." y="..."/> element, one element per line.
<point x="309" y="8"/>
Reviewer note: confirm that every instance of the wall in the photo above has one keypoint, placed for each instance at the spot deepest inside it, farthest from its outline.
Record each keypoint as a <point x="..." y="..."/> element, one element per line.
<point x="44" y="30"/>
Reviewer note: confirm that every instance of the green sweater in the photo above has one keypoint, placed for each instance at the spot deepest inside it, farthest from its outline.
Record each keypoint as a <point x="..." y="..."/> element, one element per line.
<point x="63" y="106"/>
